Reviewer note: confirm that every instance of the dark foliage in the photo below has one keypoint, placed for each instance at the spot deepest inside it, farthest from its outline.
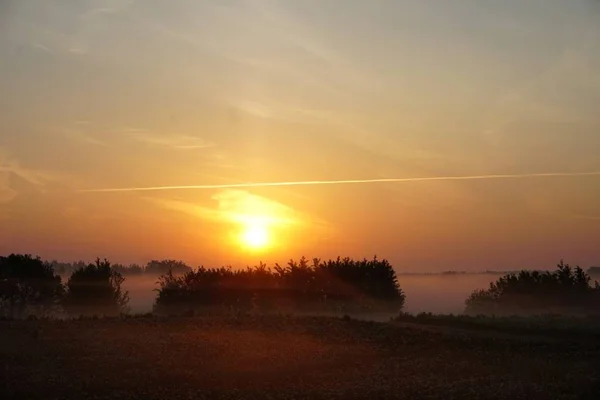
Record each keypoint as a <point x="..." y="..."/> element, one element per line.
<point x="133" y="269"/>
<point x="341" y="285"/>
<point x="96" y="290"/>
<point x="593" y="271"/>
<point x="65" y="269"/>
<point x="163" y="267"/>
<point x="154" y="267"/>
<point x="28" y="286"/>
<point x="566" y="290"/>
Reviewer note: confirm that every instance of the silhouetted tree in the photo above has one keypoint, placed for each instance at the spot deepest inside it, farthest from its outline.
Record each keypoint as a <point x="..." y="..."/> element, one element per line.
<point x="132" y="269"/>
<point x="96" y="290"/>
<point x="162" y="267"/>
<point x="28" y="286"/>
<point x="66" y="269"/>
<point x="341" y="285"/>
<point x="565" y="290"/>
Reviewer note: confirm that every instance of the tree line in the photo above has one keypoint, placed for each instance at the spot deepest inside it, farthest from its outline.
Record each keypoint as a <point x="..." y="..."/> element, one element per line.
<point x="566" y="290"/>
<point x="31" y="286"/>
<point x="340" y="285"/>
<point x="154" y="267"/>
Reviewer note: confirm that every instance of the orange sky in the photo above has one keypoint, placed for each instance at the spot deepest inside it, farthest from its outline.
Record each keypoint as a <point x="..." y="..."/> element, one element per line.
<point x="134" y="94"/>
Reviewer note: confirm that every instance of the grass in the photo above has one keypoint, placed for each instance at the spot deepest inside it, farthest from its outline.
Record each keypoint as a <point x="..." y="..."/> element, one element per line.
<point x="556" y="326"/>
<point x="284" y="357"/>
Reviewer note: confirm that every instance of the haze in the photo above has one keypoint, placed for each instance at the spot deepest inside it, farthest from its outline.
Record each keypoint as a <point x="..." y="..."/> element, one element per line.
<point x="153" y="94"/>
<point x="436" y="293"/>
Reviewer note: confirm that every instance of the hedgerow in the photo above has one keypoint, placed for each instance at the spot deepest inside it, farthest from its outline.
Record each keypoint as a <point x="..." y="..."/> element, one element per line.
<point x="340" y="285"/>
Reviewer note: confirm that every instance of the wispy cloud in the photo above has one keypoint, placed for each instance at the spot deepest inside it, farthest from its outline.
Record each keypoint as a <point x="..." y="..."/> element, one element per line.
<point x="350" y="181"/>
<point x="10" y="168"/>
<point x="337" y="66"/>
<point x="73" y="28"/>
<point x="7" y="193"/>
<point x="108" y="8"/>
<point x="536" y="98"/>
<point x="173" y="141"/>
<point x="588" y="217"/>
<point x="237" y="207"/>
<point x="43" y="48"/>
<point x="84" y="137"/>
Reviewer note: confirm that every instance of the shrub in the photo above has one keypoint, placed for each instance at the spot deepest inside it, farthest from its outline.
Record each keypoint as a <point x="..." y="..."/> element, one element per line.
<point x="96" y="290"/>
<point x="28" y="286"/>
<point x="341" y="285"/>
<point x="564" y="291"/>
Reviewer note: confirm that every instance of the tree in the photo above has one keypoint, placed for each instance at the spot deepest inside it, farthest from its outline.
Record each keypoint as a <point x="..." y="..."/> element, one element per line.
<point x="565" y="290"/>
<point x="96" y="290"/>
<point x="28" y="286"/>
<point x="132" y="269"/>
<point x="163" y="267"/>
<point x="341" y="285"/>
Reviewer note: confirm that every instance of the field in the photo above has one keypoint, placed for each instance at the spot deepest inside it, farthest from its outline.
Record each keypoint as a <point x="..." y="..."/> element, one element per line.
<point x="278" y="357"/>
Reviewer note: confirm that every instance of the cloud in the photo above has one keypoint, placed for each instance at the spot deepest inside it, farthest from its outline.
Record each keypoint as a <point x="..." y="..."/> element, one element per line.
<point x="173" y="141"/>
<point x="542" y="96"/>
<point x="10" y="168"/>
<point x="7" y="193"/>
<point x="118" y="6"/>
<point x="237" y="207"/>
<point x="308" y="38"/>
<point x="84" y="137"/>
<point x="78" y="50"/>
<point x="73" y="28"/>
<point x="43" y="48"/>
<point x="587" y="217"/>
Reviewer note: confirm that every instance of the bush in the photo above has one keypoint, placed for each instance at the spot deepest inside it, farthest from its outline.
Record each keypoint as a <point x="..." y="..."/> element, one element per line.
<point x="341" y="285"/>
<point x="96" y="290"/>
<point x="564" y="291"/>
<point x="28" y="286"/>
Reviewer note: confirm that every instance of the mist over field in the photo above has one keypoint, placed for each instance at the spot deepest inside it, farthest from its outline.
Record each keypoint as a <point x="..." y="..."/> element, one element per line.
<point x="435" y="293"/>
<point x="440" y="293"/>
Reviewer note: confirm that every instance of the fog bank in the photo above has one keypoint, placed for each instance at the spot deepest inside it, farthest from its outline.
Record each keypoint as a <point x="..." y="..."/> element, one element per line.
<point x="438" y="294"/>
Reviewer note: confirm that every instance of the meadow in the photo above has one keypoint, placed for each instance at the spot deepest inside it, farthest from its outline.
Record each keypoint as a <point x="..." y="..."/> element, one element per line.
<point x="286" y="357"/>
<point x="336" y="329"/>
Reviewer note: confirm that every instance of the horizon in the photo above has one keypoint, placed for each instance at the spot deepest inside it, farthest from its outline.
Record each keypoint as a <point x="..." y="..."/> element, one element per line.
<point x="436" y="135"/>
<point x="270" y="265"/>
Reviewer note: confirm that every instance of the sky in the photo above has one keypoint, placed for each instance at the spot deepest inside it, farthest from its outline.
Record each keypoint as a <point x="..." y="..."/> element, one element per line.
<point x="353" y="113"/>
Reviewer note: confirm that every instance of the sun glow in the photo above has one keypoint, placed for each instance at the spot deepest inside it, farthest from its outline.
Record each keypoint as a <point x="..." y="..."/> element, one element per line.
<point x="256" y="223"/>
<point x="255" y="236"/>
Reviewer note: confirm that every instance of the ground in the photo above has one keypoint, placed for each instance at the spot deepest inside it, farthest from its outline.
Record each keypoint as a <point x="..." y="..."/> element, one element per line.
<point x="287" y="358"/>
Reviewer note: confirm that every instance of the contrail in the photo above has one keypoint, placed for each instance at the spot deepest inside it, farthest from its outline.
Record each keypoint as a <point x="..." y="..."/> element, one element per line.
<point x="344" y="182"/>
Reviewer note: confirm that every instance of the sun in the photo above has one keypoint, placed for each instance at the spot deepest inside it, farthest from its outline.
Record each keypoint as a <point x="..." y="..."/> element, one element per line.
<point x="255" y="236"/>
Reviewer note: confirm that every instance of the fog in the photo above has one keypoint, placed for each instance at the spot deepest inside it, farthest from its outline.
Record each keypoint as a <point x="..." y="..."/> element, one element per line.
<point x="441" y="294"/>
<point x="424" y="293"/>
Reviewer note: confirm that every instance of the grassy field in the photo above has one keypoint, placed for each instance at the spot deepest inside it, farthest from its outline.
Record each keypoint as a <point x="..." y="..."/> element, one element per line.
<point x="580" y="328"/>
<point x="279" y="357"/>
